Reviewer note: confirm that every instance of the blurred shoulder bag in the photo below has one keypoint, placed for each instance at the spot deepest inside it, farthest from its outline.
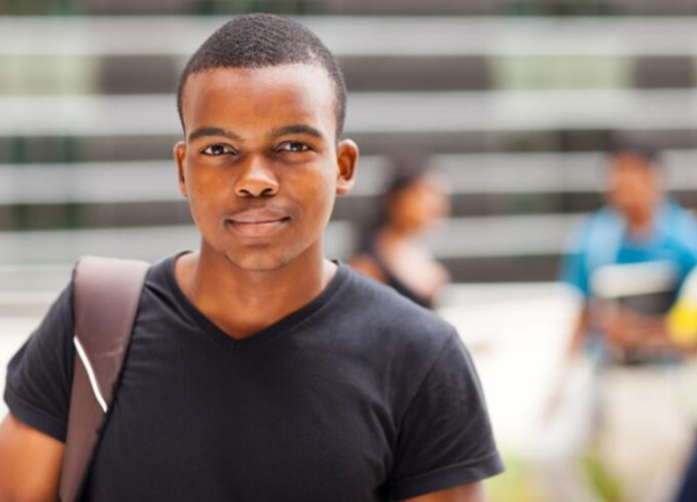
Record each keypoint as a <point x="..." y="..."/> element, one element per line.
<point x="106" y="295"/>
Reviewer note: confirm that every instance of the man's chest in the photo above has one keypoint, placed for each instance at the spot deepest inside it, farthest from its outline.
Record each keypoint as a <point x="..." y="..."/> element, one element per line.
<point x="213" y="428"/>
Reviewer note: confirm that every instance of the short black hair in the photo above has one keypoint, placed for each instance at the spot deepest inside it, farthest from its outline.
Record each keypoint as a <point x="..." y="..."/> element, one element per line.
<point x="263" y="40"/>
<point x="651" y="156"/>
<point x="406" y="169"/>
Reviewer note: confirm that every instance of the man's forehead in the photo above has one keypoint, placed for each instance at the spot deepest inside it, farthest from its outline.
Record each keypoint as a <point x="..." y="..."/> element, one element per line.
<point x="293" y="79"/>
<point x="299" y="89"/>
<point x="630" y="162"/>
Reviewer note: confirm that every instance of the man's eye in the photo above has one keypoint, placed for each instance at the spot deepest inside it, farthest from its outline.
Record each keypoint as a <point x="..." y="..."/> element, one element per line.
<point x="216" y="150"/>
<point x="294" y="146"/>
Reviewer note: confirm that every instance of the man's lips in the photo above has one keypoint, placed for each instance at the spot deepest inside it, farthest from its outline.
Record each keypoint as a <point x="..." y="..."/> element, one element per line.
<point x="258" y="222"/>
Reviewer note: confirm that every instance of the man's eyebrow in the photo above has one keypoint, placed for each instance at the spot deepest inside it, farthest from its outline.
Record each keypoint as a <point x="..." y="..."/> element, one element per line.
<point x="296" y="129"/>
<point x="212" y="131"/>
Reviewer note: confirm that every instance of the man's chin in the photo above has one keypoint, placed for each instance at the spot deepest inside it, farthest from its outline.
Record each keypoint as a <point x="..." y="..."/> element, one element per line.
<point x="259" y="262"/>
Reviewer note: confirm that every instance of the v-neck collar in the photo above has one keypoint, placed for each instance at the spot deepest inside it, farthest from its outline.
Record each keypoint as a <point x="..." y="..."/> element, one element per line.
<point x="259" y="338"/>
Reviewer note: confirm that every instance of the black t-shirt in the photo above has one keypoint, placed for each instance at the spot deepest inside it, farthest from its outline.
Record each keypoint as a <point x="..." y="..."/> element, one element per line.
<point x="359" y="396"/>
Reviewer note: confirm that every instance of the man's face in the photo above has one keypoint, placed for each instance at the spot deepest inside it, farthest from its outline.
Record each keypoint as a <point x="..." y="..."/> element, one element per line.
<point x="634" y="187"/>
<point x="260" y="164"/>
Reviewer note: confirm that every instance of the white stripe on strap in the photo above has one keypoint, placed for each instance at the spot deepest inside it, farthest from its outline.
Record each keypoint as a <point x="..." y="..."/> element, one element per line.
<point x="90" y="373"/>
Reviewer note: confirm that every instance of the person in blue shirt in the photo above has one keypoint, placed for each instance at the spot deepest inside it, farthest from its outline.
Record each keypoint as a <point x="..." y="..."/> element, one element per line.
<point x="628" y="261"/>
<point x="640" y="228"/>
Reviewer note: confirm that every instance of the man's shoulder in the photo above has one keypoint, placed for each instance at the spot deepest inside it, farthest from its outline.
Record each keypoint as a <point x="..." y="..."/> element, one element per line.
<point x="162" y="270"/>
<point x="388" y="335"/>
<point x="377" y="308"/>
<point x="602" y="229"/>
<point x="606" y="218"/>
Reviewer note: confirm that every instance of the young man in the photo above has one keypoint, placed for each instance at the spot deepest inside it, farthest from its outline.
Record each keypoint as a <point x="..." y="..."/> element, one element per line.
<point x="258" y="370"/>
<point x="640" y="226"/>
<point x="629" y="260"/>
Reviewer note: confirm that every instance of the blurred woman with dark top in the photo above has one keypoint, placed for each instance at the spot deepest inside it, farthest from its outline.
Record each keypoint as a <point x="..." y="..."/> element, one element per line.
<point x="388" y="251"/>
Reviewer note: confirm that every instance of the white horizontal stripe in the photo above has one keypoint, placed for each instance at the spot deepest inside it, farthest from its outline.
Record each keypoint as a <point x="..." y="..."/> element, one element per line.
<point x="375" y="112"/>
<point x="379" y="35"/>
<point x="90" y="373"/>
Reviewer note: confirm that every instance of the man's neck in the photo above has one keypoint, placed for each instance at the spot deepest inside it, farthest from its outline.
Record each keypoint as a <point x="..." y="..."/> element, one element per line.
<point x="241" y="302"/>
<point x="640" y="226"/>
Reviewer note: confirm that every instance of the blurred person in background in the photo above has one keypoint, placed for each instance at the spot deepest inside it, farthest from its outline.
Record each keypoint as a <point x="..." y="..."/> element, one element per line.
<point x="678" y="329"/>
<point x="628" y="261"/>
<point x="639" y="226"/>
<point x="414" y="201"/>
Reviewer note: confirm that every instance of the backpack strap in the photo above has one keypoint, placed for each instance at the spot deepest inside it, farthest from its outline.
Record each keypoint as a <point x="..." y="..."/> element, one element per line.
<point x="106" y="294"/>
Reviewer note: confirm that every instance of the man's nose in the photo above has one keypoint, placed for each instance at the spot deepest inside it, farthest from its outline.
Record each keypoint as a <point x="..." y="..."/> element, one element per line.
<point x="256" y="179"/>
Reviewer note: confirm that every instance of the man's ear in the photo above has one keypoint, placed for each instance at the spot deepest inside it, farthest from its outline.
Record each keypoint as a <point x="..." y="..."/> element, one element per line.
<point x="179" y="158"/>
<point x="347" y="162"/>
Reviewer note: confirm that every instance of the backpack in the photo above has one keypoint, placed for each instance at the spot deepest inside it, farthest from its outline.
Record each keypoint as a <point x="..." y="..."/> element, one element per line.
<point x="106" y="294"/>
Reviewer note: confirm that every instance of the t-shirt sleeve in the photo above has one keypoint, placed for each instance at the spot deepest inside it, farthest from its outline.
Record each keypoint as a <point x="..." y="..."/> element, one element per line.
<point x="573" y="269"/>
<point x="445" y="438"/>
<point x="39" y="376"/>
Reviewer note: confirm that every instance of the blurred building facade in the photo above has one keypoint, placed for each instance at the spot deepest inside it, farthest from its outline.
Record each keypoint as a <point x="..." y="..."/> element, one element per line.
<point x="517" y="100"/>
